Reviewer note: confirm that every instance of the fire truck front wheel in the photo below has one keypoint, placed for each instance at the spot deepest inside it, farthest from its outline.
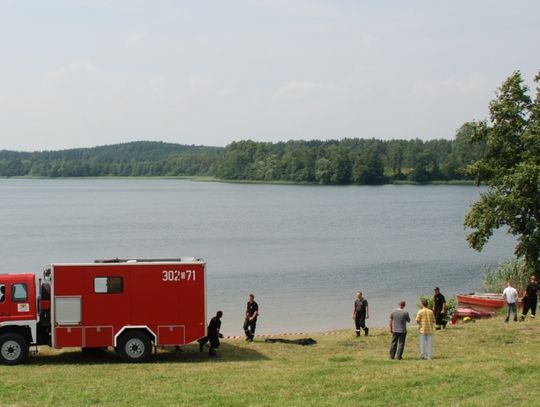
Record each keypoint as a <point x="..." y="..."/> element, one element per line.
<point x="13" y="349"/>
<point x="134" y="347"/>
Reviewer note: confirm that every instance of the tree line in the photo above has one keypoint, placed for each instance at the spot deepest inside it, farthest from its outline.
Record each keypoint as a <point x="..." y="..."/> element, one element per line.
<point x="333" y="162"/>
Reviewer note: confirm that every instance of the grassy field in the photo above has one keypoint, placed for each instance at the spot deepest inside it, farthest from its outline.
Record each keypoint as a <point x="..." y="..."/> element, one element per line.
<point x="486" y="363"/>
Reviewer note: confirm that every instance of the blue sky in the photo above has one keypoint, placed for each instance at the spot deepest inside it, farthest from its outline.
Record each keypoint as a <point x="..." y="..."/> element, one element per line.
<point x="76" y="73"/>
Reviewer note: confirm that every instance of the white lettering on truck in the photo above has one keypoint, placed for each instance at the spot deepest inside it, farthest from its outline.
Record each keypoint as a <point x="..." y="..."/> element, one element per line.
<point x="177" y="275"/>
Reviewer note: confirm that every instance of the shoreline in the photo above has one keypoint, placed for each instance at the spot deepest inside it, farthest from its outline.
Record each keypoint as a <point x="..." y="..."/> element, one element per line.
<point x="254" y="182"/>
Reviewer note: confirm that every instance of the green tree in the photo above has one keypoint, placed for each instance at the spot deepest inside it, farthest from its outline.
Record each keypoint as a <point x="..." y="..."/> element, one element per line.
<point x="323" y="172"/>
<point x="510" y="167"/>
<point x="368" y="168"/>
<point x="340" y="166"/>
<point x="396" y="153"/>
<point x="14" y="168"/>
<point x="425" y="167"/>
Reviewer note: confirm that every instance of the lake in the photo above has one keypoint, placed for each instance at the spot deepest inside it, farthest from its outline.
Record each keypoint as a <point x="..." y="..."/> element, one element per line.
<point x="303" y="250"/>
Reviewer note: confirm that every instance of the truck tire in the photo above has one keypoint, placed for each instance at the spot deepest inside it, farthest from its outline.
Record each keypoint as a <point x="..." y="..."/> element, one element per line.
<point x="13" y="349"/>
<point x="134" y="347"/>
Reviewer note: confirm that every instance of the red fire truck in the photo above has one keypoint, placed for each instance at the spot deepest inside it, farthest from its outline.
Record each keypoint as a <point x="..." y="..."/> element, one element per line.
<point x="131" y="305"/>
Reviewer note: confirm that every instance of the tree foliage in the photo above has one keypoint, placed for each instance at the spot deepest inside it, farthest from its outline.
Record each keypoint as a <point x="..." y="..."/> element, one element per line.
<point x="332" y="162"/>
<point x="510" y="166"/>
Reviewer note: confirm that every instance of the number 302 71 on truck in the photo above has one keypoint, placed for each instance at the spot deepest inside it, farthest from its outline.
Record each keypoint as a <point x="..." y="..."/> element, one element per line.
<point x="131" y="305"/>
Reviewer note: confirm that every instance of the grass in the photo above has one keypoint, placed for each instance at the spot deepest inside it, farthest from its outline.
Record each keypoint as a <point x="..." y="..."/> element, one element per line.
<point x="477" y="364"/>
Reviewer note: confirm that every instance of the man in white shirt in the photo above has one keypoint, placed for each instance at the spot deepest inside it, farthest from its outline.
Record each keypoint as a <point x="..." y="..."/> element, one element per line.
<point x="510" y="294"/>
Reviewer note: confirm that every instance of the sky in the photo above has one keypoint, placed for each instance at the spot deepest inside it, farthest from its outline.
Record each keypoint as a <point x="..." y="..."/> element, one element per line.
<point x="81" y="73"/>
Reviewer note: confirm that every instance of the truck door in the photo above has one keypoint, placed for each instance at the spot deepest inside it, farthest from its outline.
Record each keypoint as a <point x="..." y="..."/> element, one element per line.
<point x="4" y="306"/>
<point x="20" y="305"/>
<point x="15" y="301"/>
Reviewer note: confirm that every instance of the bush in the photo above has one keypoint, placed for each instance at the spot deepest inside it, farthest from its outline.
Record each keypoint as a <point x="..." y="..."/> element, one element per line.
<point x="495" y="279"/>
<point x="451" y="304"/>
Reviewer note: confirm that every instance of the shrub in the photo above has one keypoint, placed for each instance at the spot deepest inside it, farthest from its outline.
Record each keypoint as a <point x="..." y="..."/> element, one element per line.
<point x="514" y="270"/>
<point x="451" y="304"/>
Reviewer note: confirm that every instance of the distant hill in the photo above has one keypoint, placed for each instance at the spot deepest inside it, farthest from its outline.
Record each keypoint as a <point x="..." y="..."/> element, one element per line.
<point x="123" y="152"/>
<point x="138" y="158"/>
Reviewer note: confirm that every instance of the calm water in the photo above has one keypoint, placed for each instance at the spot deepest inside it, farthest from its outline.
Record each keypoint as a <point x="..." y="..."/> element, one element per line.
<point x="303" y="250"/>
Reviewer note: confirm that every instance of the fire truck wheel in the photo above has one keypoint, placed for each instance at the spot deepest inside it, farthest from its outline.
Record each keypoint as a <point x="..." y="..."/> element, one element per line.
<point x="13" y="349"/>
<point x="134" y="347"/>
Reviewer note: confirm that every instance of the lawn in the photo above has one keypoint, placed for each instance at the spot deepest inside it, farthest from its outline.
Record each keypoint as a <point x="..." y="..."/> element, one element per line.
<point x="485" y="363"/>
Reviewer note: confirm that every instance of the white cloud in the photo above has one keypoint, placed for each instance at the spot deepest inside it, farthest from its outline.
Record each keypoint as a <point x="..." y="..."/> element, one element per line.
<point x="200" y="84"/>
<point x="301" y="90"/>
<point x="74" y="68"/>
<point x="476" y="83"/>
<point x="137" y="37"/>
<point x="298" y="8"/>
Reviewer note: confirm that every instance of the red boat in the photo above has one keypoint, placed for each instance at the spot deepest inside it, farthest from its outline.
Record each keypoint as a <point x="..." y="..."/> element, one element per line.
<point x="482" y="301"/>
<point x="470" y="314"/>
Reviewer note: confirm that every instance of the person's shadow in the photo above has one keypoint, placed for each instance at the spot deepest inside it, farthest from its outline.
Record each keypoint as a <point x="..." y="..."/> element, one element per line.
<point x="186" y="354"/>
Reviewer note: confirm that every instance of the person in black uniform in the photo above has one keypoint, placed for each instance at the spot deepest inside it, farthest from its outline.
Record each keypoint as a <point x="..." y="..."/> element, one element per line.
<point x="530" y="298"/>
<point x="250" y="321"/>
<point x="360" y="313"/>
<point x="439" y="309"/>
<point x="212" y="334"/>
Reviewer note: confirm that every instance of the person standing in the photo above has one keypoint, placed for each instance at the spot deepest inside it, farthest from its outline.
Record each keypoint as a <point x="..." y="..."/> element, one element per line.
<point x="439" y="309"/>
<point x="398" y="329"/>
<point x="530" y="299"/>
<point x="426" y="325"/>
<point x="360" y="313"/>
<point x="510" y="294"/>
<point x="212" y="334"/>
<point x="250" y="321"/>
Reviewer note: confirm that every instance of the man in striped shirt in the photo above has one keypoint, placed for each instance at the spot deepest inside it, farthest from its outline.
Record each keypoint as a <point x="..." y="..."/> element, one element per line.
<point x="426" y="327"/>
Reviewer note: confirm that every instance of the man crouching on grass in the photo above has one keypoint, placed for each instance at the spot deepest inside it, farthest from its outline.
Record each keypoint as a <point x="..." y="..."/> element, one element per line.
<point x="212" y="335"/>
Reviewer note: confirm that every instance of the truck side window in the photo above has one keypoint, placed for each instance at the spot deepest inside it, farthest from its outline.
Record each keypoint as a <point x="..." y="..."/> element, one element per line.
<point x="2" y="292"/>
<point x="19" y="293"/>
<point x="108" y="285"/>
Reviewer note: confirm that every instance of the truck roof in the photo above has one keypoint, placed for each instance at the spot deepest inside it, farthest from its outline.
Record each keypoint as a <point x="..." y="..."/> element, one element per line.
<point x="108" y="262"/>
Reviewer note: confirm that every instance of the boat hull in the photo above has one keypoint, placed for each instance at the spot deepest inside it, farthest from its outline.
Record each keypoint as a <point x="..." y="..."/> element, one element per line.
<point x="482" y="302"/>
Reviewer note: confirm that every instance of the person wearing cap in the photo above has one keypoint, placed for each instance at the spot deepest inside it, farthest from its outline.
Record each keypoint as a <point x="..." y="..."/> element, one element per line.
<point x="439" y="309"/>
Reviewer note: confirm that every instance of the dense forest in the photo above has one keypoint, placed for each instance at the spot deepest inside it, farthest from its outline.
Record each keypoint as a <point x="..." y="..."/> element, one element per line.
<point x="338" y="162"/>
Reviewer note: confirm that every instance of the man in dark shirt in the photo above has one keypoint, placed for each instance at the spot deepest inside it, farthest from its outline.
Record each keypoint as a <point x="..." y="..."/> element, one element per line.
<point x="530" y="298"/>
<point x="212" y="334"/>
<point x="439" y="309"/>
<point x="250" y="321"/>
<point x="360" y="313"/>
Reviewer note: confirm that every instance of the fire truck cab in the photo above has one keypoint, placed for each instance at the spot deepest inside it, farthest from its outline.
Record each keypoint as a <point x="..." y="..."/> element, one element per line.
<point x="131" y="305"/>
